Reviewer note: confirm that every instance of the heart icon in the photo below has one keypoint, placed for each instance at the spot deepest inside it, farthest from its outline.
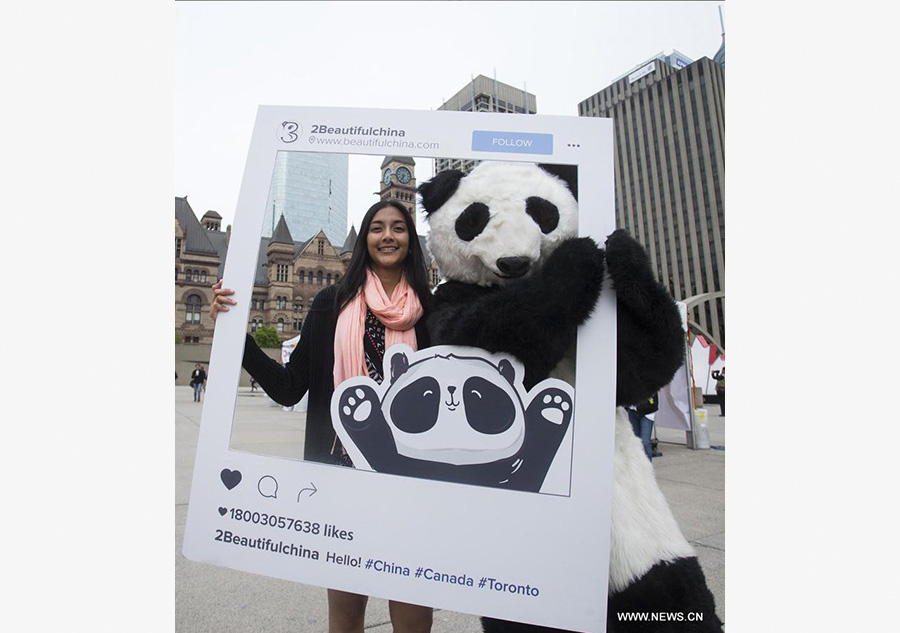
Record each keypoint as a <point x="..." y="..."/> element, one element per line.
<point x="231" y="478"/>
<point x="222" y="511"/>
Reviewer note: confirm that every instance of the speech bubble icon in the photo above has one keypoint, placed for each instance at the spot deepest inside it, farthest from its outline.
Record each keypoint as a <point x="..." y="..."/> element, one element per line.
<point x="268" y="486"/>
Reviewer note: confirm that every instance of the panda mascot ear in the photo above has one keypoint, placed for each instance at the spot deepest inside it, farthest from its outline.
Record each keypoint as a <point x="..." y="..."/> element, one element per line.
<point x="399" y="365"/>
<point x="567" y="173"/>
<point x="507" y="370"/>
<point x="439" y="189"/>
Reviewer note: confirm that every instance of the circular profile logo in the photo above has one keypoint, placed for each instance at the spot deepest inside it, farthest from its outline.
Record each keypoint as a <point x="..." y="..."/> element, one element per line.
<point x="289" y="131"/>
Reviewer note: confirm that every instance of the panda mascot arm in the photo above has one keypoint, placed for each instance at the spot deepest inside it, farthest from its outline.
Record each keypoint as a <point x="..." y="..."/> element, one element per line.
<point x="650" y="337"/>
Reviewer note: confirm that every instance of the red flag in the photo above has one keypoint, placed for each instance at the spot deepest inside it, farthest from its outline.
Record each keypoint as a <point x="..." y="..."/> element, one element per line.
<point x="713" y="353"/>
<point x="702" y="340"/>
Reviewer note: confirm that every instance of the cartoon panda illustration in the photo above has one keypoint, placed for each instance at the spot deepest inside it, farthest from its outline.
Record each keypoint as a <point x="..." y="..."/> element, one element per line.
<point x="454" y="414"/>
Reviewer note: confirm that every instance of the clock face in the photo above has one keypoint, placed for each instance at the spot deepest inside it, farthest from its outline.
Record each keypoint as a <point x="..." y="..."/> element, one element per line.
<point x="386" y="179"/>
<point x="403" y="175"/>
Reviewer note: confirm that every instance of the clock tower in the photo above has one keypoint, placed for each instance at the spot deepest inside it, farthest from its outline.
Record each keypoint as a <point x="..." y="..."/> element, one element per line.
<point x="398" y="181"/>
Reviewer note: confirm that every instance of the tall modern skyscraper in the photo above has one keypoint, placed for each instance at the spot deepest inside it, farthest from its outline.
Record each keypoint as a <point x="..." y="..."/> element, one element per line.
<point x="669" y="119"/>
<point x="310" y="191"/>
<point x="485" y="95"/>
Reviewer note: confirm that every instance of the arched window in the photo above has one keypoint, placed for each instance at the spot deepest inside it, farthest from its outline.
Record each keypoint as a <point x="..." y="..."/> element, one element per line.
<point x="302" y="276"/>
<point x="298" y="307"/>
<point x="280" y="326"/>
<point x="310" y="278"/>
<point x="337" y="278"/>
<point x="195" y="276"/>
<point x="319" y="277"/>
<point x="192" y="309"/>
<point x="328" y="279"/>
<point x="203" y="276"/>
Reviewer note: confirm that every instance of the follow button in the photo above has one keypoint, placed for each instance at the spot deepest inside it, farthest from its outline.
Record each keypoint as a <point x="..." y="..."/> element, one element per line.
<point x="512" y="142"/>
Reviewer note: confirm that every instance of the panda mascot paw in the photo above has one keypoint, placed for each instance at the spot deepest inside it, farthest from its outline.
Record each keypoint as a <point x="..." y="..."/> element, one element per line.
<point x="581" y="254"/>
<point x="519" y="281"/>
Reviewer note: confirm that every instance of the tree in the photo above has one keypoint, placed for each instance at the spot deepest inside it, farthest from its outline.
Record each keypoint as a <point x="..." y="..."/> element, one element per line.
<point x="266" y="337"/>
<point x="178" y="338"/>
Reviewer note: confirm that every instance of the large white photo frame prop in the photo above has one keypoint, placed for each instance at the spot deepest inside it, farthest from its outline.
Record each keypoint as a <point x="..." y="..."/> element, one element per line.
<point x="537" y="558"/>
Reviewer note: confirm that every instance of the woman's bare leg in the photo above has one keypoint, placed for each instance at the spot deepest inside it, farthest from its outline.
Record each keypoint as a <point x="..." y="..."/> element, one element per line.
<point x="410" y="618"/>
<point x="346" y="612"/>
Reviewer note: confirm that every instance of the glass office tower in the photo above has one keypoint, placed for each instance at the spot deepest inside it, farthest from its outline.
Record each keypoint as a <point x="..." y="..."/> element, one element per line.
<point x="310" y="190"/>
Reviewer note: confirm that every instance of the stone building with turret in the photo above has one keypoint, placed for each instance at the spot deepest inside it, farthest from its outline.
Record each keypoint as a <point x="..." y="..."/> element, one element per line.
<point x="288" y="276"/>
<point x="289" y="273"/>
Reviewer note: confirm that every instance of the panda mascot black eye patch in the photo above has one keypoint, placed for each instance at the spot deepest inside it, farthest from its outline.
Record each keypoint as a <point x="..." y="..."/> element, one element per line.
<point x="488" y="408"/>
<point x="416" y="408"/>
<point x="544" y="212"/>
<point x="472" y="221"/>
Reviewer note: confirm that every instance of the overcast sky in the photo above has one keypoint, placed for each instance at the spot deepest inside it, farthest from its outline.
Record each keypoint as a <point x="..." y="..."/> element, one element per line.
<point x="232" y="57"/>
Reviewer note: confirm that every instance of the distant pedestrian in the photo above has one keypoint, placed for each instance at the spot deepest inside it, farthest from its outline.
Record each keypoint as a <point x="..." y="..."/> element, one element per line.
<point x="252" y="384"/>
<point x="198" y="378"/>
<point x="719" y="377"/>
<point x="642" y="425"/>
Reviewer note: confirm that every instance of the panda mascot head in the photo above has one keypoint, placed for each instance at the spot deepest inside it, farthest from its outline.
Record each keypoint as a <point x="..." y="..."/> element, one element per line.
<point x="499" y="222"/>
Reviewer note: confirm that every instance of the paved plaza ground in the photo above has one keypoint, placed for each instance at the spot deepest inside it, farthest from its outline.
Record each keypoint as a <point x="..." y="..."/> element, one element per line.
<point x="217" y="600"/>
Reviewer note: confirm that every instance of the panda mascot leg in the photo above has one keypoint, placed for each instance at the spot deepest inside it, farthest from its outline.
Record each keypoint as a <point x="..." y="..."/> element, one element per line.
<point x="652" y="567"/>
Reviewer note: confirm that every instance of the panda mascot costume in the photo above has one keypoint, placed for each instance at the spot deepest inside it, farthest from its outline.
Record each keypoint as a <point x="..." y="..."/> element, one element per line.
<point x="518" y="281"/>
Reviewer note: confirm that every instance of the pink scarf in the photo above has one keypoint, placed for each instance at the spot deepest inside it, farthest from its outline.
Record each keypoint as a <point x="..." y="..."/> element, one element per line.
<point x="399" y="313"/>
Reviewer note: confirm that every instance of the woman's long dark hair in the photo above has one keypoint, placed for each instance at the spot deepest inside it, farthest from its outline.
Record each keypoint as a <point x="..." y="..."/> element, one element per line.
<point x="414" y="264"/>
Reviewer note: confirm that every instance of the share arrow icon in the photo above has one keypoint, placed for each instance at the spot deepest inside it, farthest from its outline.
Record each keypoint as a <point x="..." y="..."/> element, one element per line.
<point x="311" y="491"/>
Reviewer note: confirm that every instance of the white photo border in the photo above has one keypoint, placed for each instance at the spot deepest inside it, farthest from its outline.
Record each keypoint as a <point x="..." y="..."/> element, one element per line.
<point x="541" y="559"/>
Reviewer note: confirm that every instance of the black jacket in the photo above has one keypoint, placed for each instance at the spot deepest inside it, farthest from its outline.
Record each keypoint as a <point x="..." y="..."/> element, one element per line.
<point x="309" y="369"/>
<point x="197" y="376"/>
